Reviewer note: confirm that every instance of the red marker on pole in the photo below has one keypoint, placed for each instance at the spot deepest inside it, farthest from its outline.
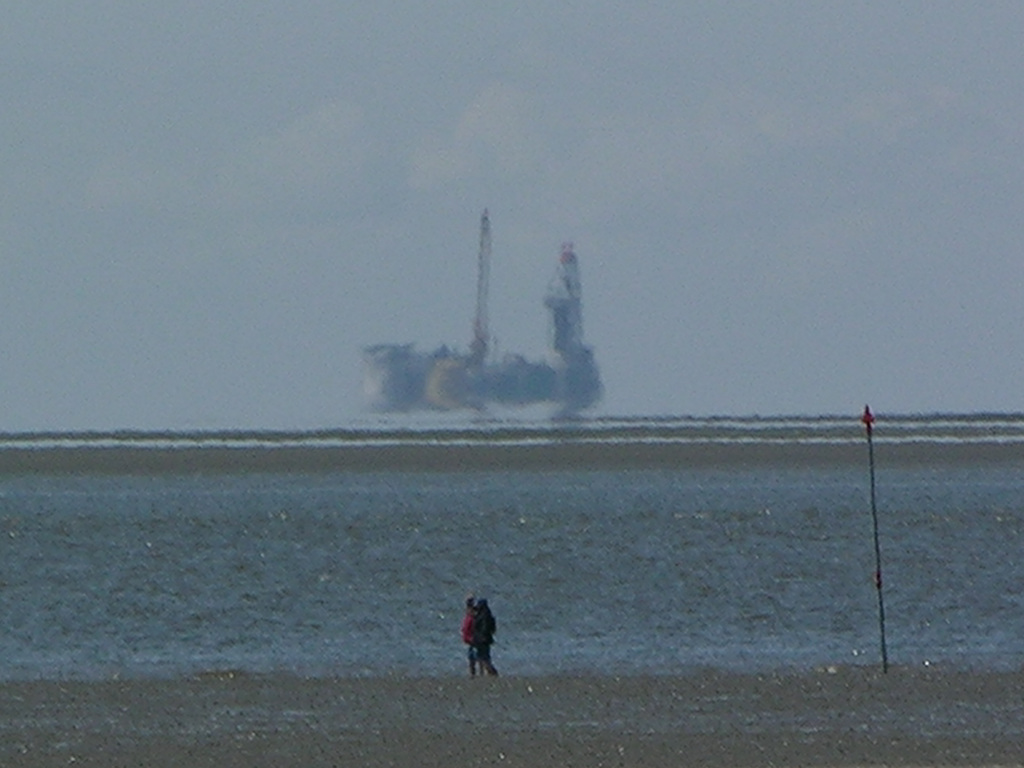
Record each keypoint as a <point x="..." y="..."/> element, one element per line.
<point x="868" y="420"/>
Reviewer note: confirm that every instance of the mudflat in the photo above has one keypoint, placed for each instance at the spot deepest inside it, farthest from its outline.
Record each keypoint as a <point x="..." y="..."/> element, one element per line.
<point x="484" y="456"/>
<point x="845" y="716"/>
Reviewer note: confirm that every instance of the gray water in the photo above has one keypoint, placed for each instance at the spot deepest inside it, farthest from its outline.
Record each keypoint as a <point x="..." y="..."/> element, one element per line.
<point x="587" y="571"/>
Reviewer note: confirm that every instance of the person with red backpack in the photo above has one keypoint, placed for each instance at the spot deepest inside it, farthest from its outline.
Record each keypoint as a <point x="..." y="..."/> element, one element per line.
<point x="484" y="627"/>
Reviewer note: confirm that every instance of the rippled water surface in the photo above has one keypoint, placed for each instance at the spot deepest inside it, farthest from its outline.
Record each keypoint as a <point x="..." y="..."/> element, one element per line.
<point x="621" y="571"/>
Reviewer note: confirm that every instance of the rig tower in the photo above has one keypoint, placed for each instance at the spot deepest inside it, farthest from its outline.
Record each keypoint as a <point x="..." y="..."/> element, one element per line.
<point x="481" y="335"/>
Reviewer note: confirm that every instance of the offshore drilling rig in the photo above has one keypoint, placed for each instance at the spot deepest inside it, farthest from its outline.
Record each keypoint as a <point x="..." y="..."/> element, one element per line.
<point x="397" y="377"/>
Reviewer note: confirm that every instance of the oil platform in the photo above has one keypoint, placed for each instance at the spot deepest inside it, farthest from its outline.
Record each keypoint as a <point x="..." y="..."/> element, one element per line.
<point x="398" y="377"/>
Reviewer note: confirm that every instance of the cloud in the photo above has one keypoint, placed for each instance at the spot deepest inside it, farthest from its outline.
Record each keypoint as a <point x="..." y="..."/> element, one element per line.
<point x="317" y="156"/>
<point x="497" y="133"/>
<point x="322" y="151"/>
<point x="129" y="181"/>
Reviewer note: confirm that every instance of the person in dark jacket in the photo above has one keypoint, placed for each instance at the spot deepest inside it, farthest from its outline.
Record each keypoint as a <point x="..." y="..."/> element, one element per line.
<point x="484" y="627"/>
<point x="467" y="633"/>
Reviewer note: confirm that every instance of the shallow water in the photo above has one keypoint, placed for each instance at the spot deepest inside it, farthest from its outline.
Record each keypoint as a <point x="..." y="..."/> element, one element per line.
<point x="656" y="571"/>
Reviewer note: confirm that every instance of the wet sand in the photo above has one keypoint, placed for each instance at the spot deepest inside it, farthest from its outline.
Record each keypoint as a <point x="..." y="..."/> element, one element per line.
<point x="841" y="717"/>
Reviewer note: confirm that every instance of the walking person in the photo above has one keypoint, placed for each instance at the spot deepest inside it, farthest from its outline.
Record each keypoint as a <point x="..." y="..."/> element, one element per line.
<point x="484" y="627"/>
<point x="467" y="633"/>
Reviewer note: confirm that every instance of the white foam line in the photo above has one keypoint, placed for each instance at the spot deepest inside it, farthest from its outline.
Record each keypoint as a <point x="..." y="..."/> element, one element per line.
<point x="484" y="441"/>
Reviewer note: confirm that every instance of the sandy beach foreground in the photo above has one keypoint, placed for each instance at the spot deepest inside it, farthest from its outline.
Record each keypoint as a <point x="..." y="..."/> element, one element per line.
<point x="832" y="717"/>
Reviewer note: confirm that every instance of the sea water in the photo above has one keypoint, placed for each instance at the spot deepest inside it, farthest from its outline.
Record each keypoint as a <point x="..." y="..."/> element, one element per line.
<point x="744" y="567"/>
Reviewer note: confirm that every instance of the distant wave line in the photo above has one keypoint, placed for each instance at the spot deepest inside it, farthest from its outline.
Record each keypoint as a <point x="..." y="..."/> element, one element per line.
<point x="165" y="444"/>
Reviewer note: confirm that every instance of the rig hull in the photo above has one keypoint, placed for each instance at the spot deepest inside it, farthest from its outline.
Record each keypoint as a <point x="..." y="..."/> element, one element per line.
<point x="397" y="378"/>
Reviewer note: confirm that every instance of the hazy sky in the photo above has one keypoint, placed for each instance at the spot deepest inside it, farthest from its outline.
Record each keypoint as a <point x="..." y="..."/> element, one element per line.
<point x="208" y="208"/>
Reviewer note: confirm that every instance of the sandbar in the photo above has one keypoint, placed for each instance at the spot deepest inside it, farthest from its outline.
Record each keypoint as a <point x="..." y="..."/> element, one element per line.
<point x="484" y="456"/>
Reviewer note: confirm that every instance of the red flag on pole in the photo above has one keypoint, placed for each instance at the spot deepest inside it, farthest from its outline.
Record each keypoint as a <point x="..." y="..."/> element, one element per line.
<point x="867" y="419"/>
